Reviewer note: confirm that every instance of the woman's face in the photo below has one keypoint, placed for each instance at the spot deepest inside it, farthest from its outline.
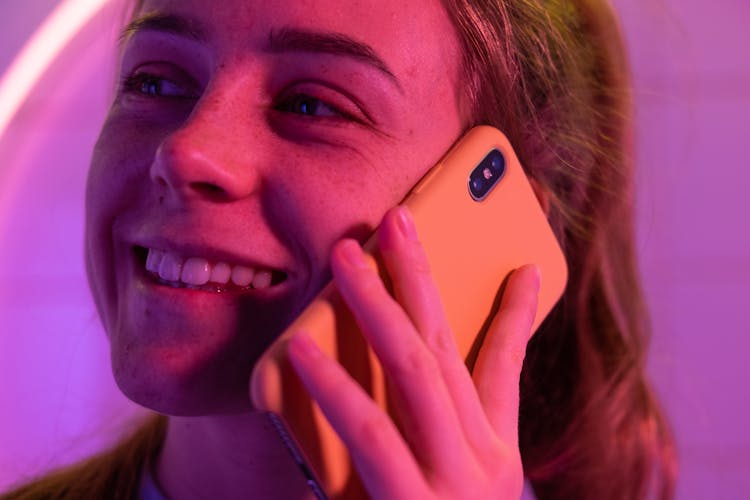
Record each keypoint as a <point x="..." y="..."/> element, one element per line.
<point x="245" y="139"/>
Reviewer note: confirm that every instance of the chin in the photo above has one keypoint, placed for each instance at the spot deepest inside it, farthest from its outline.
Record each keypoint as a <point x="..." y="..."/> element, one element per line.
<point x="174" y="382"/>
<point x="185" y="352"/>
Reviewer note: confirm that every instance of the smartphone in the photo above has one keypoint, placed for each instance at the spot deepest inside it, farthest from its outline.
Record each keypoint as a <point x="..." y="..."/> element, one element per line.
<point x="478" y="219"/>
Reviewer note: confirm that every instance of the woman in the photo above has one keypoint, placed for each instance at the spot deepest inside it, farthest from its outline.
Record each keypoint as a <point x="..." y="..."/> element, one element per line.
<point x="250" y="146"/>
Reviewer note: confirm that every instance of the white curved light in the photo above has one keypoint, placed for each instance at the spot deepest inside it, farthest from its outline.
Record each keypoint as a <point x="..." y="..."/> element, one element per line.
<point x="39" y="52"/>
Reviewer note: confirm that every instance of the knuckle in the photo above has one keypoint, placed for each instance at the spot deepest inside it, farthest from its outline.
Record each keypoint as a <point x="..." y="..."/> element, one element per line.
<point x="497" y="473"/>
<point x="440" y="341"/>
<point x="506" y="470"/>
<point x="415" y="362"/>
<point x="373" y="428"/>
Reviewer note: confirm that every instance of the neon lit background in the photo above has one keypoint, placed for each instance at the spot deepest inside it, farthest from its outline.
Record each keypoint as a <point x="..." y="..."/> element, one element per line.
<point x="58" y="401"/>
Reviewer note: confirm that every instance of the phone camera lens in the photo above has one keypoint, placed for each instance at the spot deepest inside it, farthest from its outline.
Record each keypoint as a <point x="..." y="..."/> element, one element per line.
<point x="486" y="175"/>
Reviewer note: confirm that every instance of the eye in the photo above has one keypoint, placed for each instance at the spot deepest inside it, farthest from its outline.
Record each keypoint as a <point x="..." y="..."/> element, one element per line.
<point x="153" y="86"/>
<point x="304" y="104"/>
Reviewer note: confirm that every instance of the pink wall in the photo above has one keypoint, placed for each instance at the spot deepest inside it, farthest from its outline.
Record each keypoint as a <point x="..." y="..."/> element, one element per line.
<point x="692" y="74"/>
<point x="58" y="400"/>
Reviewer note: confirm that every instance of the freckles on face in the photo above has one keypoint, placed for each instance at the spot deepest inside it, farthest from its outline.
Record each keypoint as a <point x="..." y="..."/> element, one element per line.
<point x="249" y="138"/>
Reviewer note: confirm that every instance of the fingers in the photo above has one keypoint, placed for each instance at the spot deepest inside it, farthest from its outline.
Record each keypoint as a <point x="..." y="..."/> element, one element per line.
<point x="450" y="426"/>
<point x="498" y="368"/>
<point x="426" y="410"/>
<point x="365" y="428"/>
<point x="415" y="289"/>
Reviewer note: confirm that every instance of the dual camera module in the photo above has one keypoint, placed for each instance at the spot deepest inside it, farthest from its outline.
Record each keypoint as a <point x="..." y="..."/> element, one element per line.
<point x="486" y="175"/>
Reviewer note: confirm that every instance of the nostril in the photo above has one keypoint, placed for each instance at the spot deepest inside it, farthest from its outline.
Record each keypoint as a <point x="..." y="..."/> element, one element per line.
<point x="186" y="167"/>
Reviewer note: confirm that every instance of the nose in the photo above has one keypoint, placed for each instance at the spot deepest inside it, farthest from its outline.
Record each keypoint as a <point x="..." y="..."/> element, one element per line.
<point x="203" y="159"/>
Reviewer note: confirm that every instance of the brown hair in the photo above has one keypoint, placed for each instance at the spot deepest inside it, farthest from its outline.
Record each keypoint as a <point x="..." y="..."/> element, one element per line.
<point x="114" y="474"/>
<point x="552" y="75"/>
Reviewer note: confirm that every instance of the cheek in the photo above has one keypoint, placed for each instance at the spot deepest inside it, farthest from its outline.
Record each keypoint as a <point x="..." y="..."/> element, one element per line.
<point x="114" y="181"/>
<point x="108" y="182"/>
<point x="99" y="267"/>
<point x="119" y="172"/>
<point x="346" y="196"/>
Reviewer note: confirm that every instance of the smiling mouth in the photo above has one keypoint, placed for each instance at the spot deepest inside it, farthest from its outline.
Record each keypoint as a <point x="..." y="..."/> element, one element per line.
<point x="198" y="273"/>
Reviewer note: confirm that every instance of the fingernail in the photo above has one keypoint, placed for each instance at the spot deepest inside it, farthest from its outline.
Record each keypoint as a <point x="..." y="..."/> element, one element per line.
<point x="406" y="224"/>
<point x="353" y="254"/>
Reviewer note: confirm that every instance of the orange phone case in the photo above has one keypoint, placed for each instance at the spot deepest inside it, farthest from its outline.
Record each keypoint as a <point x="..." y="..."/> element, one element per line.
<point x="472" y="246"/>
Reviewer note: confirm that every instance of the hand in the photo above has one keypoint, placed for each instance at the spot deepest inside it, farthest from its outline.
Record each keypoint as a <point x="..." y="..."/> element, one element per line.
<point x="458" y="434"/>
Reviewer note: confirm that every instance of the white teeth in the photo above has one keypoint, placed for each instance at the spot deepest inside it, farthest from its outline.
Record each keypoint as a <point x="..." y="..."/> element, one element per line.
<point x="242" y="276"/>
<point x="170" y="267"/>
<point x="262" y="279"/>
<point x="221" y="273"/>
<point x="196" y="271"/>
<point x="154" y="260"/>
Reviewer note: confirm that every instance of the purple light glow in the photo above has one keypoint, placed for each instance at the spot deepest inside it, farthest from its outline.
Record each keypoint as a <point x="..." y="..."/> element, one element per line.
<point x="58" y="398"/>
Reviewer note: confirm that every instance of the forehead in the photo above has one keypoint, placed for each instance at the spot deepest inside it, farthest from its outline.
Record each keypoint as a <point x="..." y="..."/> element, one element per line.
<point x="411" y="36"/>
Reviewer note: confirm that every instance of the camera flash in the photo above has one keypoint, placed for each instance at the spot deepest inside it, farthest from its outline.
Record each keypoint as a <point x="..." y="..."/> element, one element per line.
<point x="487" y="173"/>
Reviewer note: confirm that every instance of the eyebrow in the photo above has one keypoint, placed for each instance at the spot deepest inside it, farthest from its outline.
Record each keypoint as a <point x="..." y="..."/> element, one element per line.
<point x="295" y="40"/>
<point x="155" y="21"/>
<point x="279" y="41"/>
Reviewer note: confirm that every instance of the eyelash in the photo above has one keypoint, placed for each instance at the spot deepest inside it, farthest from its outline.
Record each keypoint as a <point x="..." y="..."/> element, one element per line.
<point x="146" y="85"/>
<point x="134" y="84"/>
<point x="297" y="103"/>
